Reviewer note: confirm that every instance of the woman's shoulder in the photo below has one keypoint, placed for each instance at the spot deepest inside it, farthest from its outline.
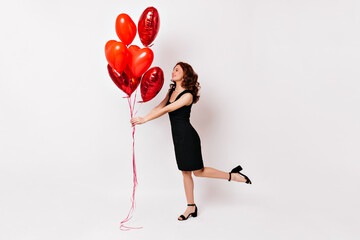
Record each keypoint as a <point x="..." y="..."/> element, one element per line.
<point x="190" y="94"/>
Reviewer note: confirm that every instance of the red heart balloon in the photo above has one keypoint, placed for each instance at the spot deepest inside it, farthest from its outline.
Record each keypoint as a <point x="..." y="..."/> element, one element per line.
<point x="125" y="28"/>
<point x="117" y="55"/>
<point x="126" y="83"/>
<point x="109" y="43"/>
<point x="151" y="83"/>
<point x="139" y="59"/>
<point x="148" y="25"/>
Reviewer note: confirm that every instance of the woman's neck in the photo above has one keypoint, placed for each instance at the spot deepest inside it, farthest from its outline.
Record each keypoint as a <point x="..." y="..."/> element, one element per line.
<point x="179" y="88"/>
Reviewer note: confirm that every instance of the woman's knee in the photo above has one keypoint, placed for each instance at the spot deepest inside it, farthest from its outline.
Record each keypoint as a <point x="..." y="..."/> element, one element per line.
<point x="186" y="173"/>
<point x="199" y="172"/>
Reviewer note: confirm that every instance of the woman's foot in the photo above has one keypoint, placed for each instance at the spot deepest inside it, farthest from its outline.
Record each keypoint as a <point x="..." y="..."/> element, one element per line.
<point x="189" y="209"/>
<point x="237" y="177"/>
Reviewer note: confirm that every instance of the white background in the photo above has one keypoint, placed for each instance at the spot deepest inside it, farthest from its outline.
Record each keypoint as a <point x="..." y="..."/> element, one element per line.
<point x="280" y="96"/>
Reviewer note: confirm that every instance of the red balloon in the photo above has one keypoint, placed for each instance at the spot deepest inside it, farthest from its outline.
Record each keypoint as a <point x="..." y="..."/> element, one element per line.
<point x="128" y="72"/>
<point x="109" y="43"/>
<point x="126" y="83"/>
<point x="148" y="26"/>
<point x="125" y="28"/>
<point x="139" y="60"/>
<point x="117" y="55"/>
<point x="151" y="83"/>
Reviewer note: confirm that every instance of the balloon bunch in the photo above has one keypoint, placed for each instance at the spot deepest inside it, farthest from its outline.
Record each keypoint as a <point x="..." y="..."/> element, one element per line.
<point x="128" y="67"/>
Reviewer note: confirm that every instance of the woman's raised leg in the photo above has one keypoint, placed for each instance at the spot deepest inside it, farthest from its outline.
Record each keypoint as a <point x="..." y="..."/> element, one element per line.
<point x="214" y="173"/>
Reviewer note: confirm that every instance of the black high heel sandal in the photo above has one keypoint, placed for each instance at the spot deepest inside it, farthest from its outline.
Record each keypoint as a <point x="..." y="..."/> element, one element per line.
<point x="237" y="170"/>
<point x="194" y="214"/>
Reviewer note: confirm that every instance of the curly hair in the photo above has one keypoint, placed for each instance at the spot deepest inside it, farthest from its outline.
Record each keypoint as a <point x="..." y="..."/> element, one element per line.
<point x="190" y="80"/>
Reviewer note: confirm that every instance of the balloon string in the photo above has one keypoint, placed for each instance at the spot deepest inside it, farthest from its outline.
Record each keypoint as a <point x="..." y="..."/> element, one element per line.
<point x="129" y="216"/>
<point x="134" y="103"/>
<point x="135" y="99"/>
<point x="138" y="108"/>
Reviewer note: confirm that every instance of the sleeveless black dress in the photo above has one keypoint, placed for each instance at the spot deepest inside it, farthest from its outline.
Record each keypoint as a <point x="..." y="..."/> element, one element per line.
<point x="186" y="140"/>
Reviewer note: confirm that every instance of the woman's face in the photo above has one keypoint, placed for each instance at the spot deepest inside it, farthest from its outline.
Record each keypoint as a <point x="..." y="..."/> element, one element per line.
<point x="177" y="73"/>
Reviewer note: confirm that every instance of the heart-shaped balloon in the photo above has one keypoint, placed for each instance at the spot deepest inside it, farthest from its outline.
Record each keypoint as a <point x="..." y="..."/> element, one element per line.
<point x="126" y="83"/>
<point x="148" y="25"/>
<point x="117" y="55"/>
<point x="139" y="60"/>
<point x="109" y="43"/>
<point x="125" y="28"/>
<point x="151" y="83"/>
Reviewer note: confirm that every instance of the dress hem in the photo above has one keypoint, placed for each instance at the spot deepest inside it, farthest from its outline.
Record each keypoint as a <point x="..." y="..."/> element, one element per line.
<point x="191" y="170"/>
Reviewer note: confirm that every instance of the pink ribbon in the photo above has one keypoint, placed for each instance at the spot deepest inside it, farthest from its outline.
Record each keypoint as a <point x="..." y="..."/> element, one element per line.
<point x="129" y="216"/>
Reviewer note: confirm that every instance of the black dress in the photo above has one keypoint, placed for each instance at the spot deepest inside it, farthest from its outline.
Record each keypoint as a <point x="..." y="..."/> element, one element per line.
<point x="186" y="140"/>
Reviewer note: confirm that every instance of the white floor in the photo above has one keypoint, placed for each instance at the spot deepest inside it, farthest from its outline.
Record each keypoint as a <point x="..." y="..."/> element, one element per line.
<point x="78" y="209"/>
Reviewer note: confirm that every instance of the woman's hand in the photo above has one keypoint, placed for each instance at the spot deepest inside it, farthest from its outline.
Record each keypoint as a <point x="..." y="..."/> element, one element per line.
<point x="137" y="120"/>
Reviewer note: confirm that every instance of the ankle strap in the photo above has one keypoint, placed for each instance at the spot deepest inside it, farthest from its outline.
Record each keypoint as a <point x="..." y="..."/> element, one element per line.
<point x="192" y="204"/>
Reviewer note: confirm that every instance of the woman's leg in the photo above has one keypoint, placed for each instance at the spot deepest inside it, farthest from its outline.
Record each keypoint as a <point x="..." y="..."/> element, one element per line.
<point x="188" y="186"/>
<point x="189" y="192"/>
<point x="214" y="173"/>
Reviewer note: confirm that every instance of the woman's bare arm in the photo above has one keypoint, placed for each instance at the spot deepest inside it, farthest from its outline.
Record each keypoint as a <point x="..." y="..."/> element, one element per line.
<point x="161" y="109"/>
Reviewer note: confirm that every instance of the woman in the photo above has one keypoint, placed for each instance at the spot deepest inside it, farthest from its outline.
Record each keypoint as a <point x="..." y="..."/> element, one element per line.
<point x="182" y="94"/>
